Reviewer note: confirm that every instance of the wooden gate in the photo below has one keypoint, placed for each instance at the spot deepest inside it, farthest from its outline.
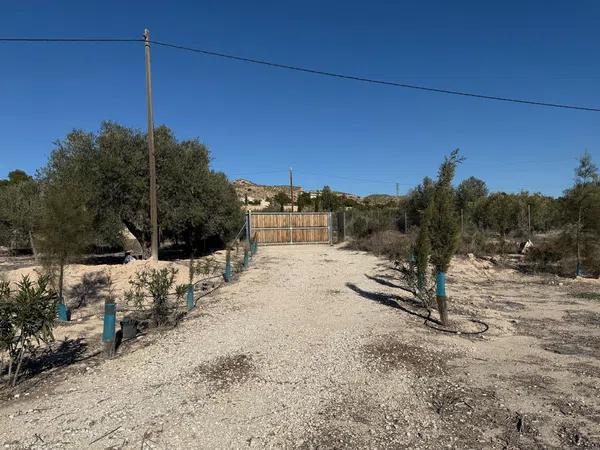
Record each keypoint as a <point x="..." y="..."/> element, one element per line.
<point x="291" y="227"/>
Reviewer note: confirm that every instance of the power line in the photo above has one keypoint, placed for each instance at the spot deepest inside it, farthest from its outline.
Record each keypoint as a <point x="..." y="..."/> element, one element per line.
<point x="58" y="40"/>
<point x="374" y="81"/>
<point x="314" y="71"/>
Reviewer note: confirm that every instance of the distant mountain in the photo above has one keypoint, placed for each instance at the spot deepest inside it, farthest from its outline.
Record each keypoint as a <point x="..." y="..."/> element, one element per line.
<point x="379" y="198"/>
<point x="258" y="194"/>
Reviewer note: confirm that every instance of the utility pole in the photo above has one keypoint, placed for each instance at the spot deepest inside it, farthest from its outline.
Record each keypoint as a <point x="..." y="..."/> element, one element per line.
<point x="405" y="223"/>
<point x="291" y="189"/>
<point x="151" y="159"/>
<point x="462" y="222"/>
<point x="529" y="221"/>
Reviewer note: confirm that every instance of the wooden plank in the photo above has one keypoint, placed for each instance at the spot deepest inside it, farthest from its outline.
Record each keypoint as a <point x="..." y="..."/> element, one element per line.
<point x="291" y="228"/>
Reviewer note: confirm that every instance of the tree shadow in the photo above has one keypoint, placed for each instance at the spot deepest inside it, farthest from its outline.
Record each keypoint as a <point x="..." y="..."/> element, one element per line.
<point x="384" y="281"/>
<point x="394" y="301"/>
<point x="89" y="288"/>
<point x="109" y="259"/>
<point x="66" y="353"/>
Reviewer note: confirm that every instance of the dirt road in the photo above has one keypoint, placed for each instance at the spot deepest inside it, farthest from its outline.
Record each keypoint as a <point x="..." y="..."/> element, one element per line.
<point x="316" y="347"/>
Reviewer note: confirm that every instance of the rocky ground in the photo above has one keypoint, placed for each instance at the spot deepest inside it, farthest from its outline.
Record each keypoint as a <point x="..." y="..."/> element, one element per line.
<point x="315" y="346"/>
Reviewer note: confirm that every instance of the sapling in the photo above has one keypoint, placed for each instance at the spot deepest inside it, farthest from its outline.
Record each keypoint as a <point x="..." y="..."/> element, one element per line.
<point x="155" y="284"/>
<point x="423" y="246"/>
<point x="444" y="229"/>
<point x="64" y="230"/>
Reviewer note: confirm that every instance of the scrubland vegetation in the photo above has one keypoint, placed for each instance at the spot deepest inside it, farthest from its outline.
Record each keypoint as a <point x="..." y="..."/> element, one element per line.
<point x="565" y="231"/>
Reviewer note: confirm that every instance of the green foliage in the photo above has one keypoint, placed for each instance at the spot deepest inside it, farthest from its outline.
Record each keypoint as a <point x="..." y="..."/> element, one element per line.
<point x="207" y="266"/>
<point x="27" y="318"/>
<point x="587" y="171"/>
<point x="582" y="213"/>
<point x="389" y="243"/>
<point x="588" y="295"/>
<point x="502" y="213"/>
<point x="281" y="199"/>
<point x="304" y="200"/>
<point x="423" y="246"/>
<point x="64" y="228"/>
<point x="156" y="285"/>
<point x="444" y="224"/>
<point x="110" y="170"/>
<point x="363" y="222"/>
<point x="19" y="203"/>
<point x="470" y="195"/>
<point x="418" y="199"/>
<point x="329" y="200"/>
<point x="15" y="177"/>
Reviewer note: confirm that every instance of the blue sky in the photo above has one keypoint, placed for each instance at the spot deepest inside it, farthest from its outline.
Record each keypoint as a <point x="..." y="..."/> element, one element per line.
<point x="355" y="137"/>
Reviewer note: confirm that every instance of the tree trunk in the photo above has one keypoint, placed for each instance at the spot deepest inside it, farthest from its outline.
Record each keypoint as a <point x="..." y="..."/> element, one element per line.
<point x="33" y="247"/>
<point x="14" y="381"/>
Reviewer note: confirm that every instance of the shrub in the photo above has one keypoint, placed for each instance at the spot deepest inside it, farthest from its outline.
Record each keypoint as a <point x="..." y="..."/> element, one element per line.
<point x="156" y="285"/>
<point x="392" y="244"/>
<point x="26" y="320"/>
<point x="556" y="255"/>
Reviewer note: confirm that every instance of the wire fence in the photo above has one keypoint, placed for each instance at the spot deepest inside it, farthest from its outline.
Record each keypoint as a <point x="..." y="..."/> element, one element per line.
<point x="356" y="223"/>
<point x="187" y="296"/>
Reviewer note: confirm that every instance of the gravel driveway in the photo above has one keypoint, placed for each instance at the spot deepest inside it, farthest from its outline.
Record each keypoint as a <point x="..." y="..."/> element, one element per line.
<point x="275" y="359"/>
<point x="316" y="347"/>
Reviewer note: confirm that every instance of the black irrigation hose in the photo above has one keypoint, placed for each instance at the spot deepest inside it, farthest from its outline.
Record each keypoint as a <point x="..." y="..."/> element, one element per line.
<point x="206" y="279"/>
<point x="445" y="330"/>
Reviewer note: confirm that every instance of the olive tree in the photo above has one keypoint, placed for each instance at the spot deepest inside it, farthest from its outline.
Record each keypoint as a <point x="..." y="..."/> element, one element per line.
<point x="111" y="168"/>
<point x="19" y="203"/>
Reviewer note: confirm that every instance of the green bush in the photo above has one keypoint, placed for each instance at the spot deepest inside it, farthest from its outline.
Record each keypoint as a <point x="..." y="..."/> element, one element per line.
<point x="158" y="286"/>
<point x="389" y="243"/>
<point x="27" y="318"/>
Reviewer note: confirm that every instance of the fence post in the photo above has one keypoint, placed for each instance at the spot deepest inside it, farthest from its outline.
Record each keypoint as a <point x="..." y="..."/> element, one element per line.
<point x="108" y="332"/>
<point x="190" y="297"/>
<point x="248" y="225"/>
<point x="227" y="274"/>
<point x="246" y="258"/>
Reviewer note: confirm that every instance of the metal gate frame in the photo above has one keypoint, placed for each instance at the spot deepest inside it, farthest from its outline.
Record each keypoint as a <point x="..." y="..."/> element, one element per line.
<point x="329" y="227"/>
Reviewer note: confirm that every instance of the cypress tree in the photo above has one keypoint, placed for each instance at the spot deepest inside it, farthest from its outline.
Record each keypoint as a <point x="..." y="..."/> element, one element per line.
<point x="423" y="246"/>
<point x="444" y="228"/>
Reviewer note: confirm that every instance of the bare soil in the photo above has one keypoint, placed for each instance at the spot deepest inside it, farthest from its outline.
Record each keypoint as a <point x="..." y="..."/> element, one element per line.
<point x="316" y="347"/>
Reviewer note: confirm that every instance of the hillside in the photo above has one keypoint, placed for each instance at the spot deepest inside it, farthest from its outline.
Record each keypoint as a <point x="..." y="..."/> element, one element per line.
<point x="379" y="199"/>
<point x="260" y="192"/>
